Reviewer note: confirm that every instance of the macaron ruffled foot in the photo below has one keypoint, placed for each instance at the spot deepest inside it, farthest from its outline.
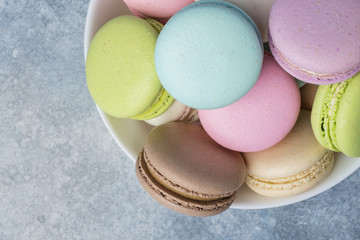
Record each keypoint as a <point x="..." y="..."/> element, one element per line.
<point x="335" y="116"/>
<point x="316" y="42"/>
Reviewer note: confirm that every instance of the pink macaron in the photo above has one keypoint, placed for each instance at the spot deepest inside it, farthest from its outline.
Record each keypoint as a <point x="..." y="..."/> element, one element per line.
<point x="260" y="119"/>
<point x="316" y="41"/>
<point x="160" y="10"/>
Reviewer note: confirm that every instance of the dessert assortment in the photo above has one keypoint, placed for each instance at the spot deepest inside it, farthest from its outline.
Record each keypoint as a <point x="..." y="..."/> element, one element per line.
<point x="208" y="59"/>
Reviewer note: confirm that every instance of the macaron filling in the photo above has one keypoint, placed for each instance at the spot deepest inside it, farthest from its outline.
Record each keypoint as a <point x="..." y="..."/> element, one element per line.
<point x="179" y="189"/>
<point x="160" y="105"/>
<point x="164" y="100"/>
<point x="176" y="112"/>
<point x="295" y="181"/>
<point x="163" y="192"/>
<point x="304" y="74"/>
<point x="155" y="24"/>
<point x="328" y="112"/>
<point x="190" y="115"/>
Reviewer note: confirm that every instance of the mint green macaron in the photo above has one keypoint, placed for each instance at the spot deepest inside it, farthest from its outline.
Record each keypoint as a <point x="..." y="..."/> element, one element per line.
<point x="335" y="116"/>
<point x="120" y="69"/>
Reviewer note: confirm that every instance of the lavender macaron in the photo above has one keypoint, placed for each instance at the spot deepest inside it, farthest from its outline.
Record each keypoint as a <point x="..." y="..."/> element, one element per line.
<point x="316" y="41"/>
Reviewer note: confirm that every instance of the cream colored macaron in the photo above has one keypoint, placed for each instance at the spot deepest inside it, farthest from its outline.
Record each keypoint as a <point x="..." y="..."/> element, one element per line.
<point x="292" y="166"/>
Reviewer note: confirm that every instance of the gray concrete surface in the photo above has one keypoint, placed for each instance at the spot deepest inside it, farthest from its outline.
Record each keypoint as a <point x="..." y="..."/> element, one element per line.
<point x="62" y="176"/>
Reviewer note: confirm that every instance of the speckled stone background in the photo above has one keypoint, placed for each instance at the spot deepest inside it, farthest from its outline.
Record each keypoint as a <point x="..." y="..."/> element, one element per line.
<point x="62" y="176"/>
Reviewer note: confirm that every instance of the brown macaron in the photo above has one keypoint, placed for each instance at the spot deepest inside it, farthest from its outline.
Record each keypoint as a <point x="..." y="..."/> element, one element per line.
<point x="181" y="167"/>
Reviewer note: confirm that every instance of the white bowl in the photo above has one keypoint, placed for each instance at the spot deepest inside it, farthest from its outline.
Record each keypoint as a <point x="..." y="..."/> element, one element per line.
<point x="131" y="134"/>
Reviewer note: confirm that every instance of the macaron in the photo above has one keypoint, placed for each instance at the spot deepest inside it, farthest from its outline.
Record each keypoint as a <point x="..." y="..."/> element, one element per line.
<point x="161" y="10"/>
<point x="120" y="70"/>
<point x="316" y="41"/>
<point x="335" y="116"/>
<point x="176" y="112"/>
<point x="182" y="168"/>
<point x="259" y="11"/>
<point x="260" y="119"/>
<point x="268" y="52"/>
<point x="294" y="165"/>
<point x="209" y="54"/>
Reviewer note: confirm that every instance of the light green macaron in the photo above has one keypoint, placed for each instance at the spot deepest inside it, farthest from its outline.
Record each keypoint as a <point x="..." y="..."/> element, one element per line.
<point x="120" y="69"/>
<point x="335" y="116"/>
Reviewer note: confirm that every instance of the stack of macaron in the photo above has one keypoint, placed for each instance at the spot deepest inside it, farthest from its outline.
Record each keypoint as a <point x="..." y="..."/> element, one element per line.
<point x="227" y="112"/>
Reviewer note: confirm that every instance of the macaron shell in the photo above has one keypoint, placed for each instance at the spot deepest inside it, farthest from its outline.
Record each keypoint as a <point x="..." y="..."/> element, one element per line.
<point x="347" y="129"/>
<point x="259" y="11"/>
<point x="157" y="108"/>
<point x="335" y="116"/>
<point x="288" y="157"/>
<point x="261" y="118"/>
<point x="175" y="201"/>
<point x="287" y="188"/>
<point x="297" y="153"/>
<point x="318" y="116"/>
<point x="192" y="59"/>
<point x="319" y="37"/>
<point x="176" y="112"/>
<point x="188" y="157"/>
<point x="120" y="68"/>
